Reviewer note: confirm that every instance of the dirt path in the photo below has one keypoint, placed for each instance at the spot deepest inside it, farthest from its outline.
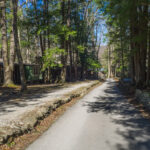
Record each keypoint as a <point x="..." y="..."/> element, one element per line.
<point x="12" y="110"/>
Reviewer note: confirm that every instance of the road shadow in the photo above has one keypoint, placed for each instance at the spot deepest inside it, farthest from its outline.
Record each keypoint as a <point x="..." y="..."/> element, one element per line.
<point x="10" y="99"/>
<point x="137" y="133"/>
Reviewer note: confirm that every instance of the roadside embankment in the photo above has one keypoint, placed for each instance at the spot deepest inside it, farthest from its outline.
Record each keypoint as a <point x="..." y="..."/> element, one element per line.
<point x="143" y="97"/>
<point x="139" y="98"/>
<point x="20" y="116"/>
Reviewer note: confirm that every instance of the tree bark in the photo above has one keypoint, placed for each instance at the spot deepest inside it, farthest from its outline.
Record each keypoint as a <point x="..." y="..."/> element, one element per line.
<point x="7" y="73"/>
<point x="122" y="60"/>
<point x="148" y="68"/>
<point x="69" y="40"/>
<point x="109" y="62"/>
<point x="143" y="26"/>
<point x="12" y="53"/>
<point x="17" y="47"/>
<point x="12" y="47"/>
<point x="63" y="42"/>
<point x="135" y="48"/>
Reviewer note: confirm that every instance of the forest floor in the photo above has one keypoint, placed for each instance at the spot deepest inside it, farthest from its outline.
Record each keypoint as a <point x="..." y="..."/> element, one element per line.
<point x="130" y="95"/>
<point x="15" y="105"/>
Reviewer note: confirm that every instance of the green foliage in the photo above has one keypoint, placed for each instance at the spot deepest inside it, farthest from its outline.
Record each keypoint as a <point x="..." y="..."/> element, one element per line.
<point x="54" y="38"/>
<point x="44" y="28"/>
<point x="81" y="49"/>
<point x="25" y="43"/>
<point x="67" y="32"/>
<point x="118" y="14"/>
<point x="70" y="33"/>
<point x="93" y="64"/>
<point x="11" y="144"/>
<point x="51" y="58"/>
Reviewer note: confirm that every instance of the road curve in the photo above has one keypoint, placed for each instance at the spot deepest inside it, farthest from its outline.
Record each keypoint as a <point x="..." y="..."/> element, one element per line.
<point x="102" y="120"/>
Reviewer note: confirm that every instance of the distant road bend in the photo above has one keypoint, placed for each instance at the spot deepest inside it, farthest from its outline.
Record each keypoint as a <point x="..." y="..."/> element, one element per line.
<point x="102" y="120"/>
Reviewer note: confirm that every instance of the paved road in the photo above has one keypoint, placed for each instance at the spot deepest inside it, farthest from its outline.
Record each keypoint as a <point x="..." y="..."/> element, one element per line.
<point x="102" y="120"/>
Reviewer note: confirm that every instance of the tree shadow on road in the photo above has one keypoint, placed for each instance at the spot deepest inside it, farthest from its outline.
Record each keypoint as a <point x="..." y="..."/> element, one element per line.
<point x="137" y="133"/>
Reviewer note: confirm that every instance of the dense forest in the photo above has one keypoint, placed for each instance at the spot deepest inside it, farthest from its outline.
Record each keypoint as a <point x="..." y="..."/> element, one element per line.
<point x="67" y="34"/>
<point x="53" y="33"/>
<point x="128" y="52"/>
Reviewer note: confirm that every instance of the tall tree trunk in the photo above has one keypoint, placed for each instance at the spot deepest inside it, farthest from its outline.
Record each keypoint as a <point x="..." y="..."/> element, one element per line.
<point x="46" y="36"/>
<point x="12" y="53"/>
<point x="45" y="22"/>
<point x="148" y="68"/>
<point x="40" y="35"/>
<point x="63" y="42"/>
<point x="132" y="67"/>
<point x="143" y="26"/>
<point x="12" y="47"/>
<point x="76" y="51"/>
<point x="48" y="29"/>
<point x="134" y="31"/>
<point x="69" y="40"/>
<point x="17" y="48"/>
<point x="7" y="73"/>
<point x="109" y="62"/>
<point x="37" y="24"/>
<point x="122" y="60"/>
